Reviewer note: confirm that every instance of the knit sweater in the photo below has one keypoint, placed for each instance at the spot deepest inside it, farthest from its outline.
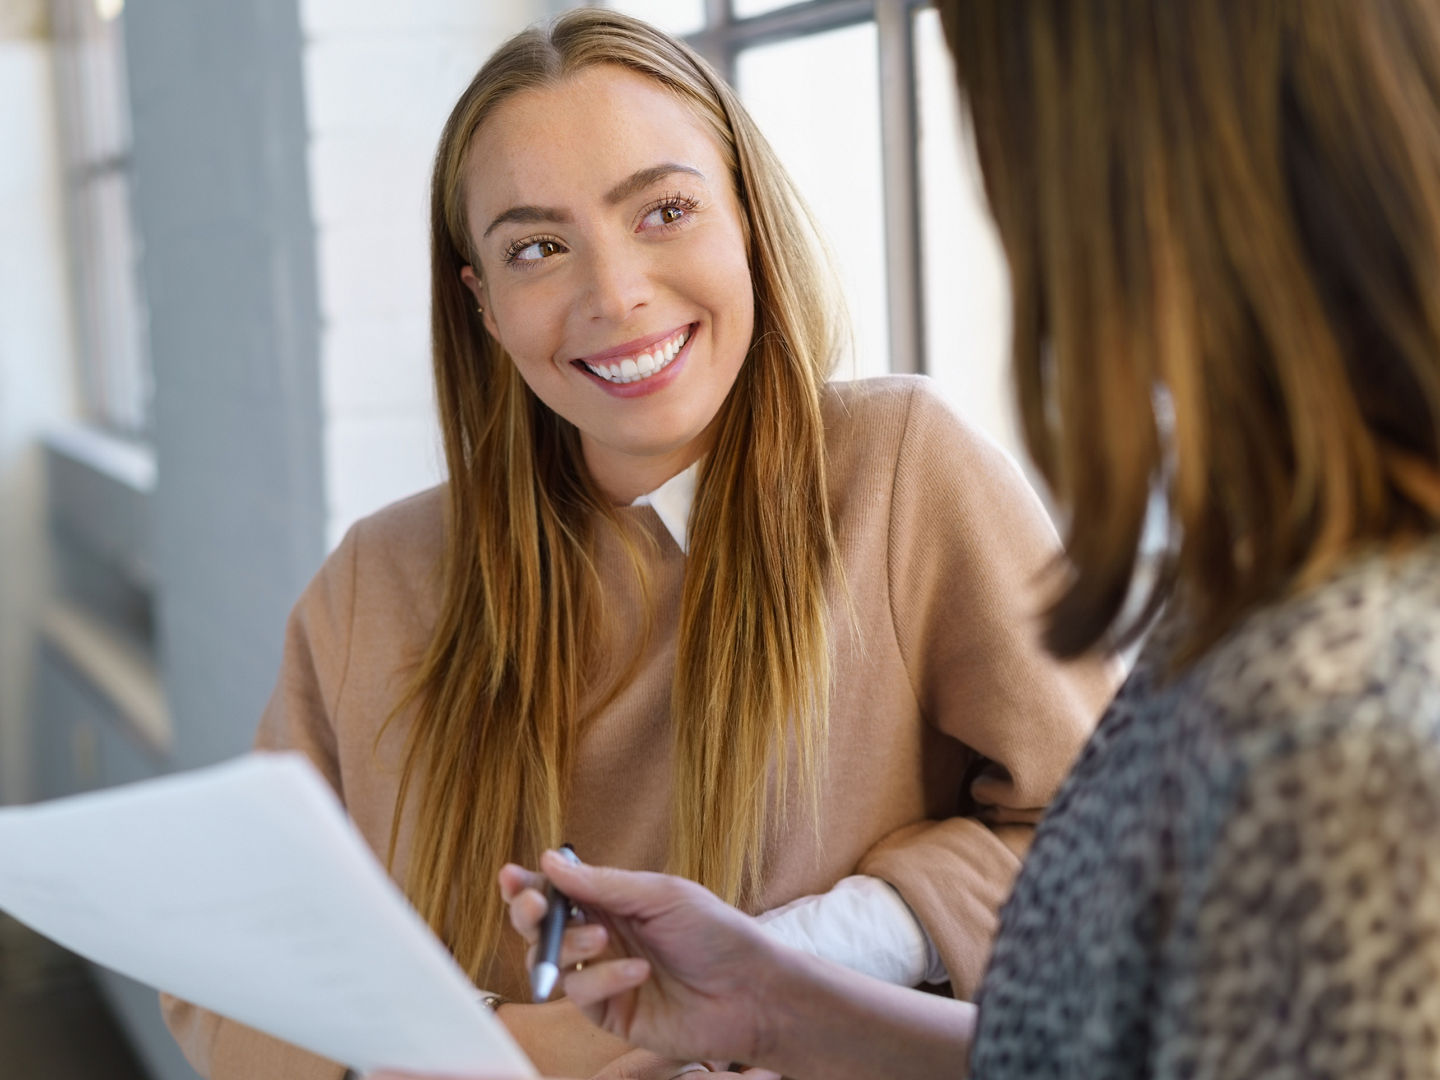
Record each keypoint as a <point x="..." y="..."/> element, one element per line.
<point x="950" y="728"/>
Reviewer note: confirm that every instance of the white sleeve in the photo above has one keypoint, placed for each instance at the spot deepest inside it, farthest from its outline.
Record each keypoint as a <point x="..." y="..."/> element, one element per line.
<point x="863" y="924"/>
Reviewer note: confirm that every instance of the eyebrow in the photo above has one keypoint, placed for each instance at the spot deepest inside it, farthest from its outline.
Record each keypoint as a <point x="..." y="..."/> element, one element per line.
<point x="635" y="182"/>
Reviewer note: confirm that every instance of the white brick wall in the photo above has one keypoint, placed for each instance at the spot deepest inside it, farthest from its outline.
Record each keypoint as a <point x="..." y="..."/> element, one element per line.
<point x="380" y="79"/>
<point x="377" y="367"/>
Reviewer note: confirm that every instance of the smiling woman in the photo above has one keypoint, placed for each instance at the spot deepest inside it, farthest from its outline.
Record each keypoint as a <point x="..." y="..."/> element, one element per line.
<point x="624" y="299"/>
<point x="681" y="602"/>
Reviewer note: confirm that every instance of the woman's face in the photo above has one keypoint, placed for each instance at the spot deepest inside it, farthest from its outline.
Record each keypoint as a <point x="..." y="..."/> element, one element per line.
<point x="613" y="267"/>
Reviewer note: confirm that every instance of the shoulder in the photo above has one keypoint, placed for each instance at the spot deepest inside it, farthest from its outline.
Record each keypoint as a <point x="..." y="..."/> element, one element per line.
<point x="1319" y="709"/>
<point x="900" y="426"/>
<point x="393" y="556"/>
<point x="1360" y="650"/>
<point x="403" y="531"/>
<point x="1326" y="849"/>
<point x="885" y="408"/>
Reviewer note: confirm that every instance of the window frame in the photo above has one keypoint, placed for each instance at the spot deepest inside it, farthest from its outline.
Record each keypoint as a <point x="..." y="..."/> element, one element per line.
<point x="722" y="39"/>
<point x="115" y="382"/>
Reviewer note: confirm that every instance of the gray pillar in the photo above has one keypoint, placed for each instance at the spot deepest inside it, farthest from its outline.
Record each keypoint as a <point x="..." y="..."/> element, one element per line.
<point x="222" y="203"/>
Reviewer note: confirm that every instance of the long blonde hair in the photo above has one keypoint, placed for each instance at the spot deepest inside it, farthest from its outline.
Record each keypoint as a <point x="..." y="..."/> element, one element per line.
<point x="1222" y="221"/>
<point x="497" y="695"/>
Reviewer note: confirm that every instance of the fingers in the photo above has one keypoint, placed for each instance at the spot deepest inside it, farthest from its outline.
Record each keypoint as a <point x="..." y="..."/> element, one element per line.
<point x="527" y="910"/>
<point x="581" y="944"/>
<point x="599" y="982"/>
<point x="620" y="892"/>
<point x="515" y="879"/>
<point x="582" y="941"/>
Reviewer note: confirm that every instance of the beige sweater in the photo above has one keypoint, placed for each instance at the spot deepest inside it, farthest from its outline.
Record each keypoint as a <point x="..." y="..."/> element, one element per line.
<point x="950" y="728"/>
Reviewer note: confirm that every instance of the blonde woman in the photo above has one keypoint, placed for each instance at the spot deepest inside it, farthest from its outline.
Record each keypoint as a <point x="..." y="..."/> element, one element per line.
<point x="681" y="602"/>
<point x="1222" y="220"/>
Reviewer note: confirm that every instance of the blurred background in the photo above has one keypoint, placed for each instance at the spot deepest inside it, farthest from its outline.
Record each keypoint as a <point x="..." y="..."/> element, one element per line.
<point x="213" y="348"/>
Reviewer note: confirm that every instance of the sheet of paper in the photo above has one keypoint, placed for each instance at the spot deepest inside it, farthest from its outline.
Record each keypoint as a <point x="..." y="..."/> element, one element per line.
<point x="245" y="889"/>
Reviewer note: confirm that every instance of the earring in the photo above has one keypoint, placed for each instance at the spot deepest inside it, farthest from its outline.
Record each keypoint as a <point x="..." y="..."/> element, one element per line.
<point x="479" y="311"/>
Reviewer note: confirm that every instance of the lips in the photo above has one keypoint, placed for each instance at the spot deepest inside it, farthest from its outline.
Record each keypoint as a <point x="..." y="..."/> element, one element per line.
<point x="635" y="363"/>
<point x="669" y="355"/>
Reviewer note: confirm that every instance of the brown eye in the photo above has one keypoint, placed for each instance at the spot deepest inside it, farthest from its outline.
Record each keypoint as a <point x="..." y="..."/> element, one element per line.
<point x="671" y="212"/>
<point x="534" y="251"/>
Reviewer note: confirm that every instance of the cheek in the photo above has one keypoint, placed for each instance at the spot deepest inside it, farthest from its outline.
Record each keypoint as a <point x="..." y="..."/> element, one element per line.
<point x="742" y="287"/>
<point x="528" y="331"/>
<point x="732" y="289"/>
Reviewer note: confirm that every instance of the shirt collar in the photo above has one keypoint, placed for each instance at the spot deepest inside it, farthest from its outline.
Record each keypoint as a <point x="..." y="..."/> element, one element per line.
<point x="672" y="501"/>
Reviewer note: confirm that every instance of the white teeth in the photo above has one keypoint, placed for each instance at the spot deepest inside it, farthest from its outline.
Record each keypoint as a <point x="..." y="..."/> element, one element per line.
<point x="642" y="366"/>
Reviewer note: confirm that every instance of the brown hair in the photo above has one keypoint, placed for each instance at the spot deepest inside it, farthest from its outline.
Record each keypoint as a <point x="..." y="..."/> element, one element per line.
<point x="1222" y="221"/>
<point x="498" y="692"/>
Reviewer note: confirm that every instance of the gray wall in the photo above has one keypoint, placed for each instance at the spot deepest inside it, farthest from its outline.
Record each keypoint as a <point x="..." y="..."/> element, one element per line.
<point x="222" y="205"/>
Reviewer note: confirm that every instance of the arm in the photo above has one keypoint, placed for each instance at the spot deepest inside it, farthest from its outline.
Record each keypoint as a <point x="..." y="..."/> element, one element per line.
<point x="559" y="1039"/>
<point x="1317" y="942"/>
<point x="970" y="547"/>
<point x="692" y="977"/>
<point x="863" y="924"/>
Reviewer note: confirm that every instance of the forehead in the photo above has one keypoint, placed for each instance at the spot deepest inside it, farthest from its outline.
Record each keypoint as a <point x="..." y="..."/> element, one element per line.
<point x="569" y="143"/>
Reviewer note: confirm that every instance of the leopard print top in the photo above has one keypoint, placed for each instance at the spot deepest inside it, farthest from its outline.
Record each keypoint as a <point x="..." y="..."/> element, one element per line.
<point x="1241" y="877"/>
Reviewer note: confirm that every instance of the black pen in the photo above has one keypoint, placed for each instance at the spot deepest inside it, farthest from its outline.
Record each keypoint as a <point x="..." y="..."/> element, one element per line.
<point x="546" y="971"/>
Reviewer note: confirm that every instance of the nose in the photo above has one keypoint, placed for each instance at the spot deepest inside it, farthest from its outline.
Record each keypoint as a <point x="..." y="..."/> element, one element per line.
<point x="619" y="282"/>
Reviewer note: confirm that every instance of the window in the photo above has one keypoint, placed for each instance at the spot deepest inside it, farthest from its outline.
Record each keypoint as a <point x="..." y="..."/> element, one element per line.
<point x="858" y="98"/>
<point x="94" y="114"/>
<point x="100" y="473"/>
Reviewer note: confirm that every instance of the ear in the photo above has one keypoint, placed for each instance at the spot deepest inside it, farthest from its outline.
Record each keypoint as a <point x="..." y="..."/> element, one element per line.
<point x="482" y="297"/>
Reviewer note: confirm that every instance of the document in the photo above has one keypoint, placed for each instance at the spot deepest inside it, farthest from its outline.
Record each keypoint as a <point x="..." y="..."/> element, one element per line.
<point x="245" y="889"/>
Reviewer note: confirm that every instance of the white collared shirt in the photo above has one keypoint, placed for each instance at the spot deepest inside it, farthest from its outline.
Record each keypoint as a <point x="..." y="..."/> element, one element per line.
<point x="671" y="502"/>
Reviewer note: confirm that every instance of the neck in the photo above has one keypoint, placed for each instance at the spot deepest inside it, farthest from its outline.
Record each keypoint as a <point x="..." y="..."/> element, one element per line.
<point x="623" y="478"/>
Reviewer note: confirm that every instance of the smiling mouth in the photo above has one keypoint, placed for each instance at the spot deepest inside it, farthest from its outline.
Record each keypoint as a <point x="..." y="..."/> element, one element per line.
<point x="643" y="365"/>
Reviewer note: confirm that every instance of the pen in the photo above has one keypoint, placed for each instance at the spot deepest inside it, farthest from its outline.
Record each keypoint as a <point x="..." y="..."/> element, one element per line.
<point x="546" y="971"/>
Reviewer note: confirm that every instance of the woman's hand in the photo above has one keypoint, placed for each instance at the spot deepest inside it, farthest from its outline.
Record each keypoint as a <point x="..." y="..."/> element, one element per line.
<point x="663" y="963"/>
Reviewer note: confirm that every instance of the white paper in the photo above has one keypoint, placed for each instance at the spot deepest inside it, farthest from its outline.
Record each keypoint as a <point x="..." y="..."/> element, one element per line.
<point x="246" y="890"/>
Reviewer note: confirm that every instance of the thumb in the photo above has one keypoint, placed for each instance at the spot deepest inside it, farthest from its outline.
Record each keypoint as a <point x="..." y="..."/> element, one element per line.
<point x="619" y="892"/>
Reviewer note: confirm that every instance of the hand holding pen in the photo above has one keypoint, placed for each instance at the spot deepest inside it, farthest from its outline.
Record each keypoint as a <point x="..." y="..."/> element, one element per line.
<point x="662" y="962"/>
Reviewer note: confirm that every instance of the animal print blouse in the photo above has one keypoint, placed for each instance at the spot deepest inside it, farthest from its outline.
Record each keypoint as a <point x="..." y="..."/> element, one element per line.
<point x="1241" y="877"/>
